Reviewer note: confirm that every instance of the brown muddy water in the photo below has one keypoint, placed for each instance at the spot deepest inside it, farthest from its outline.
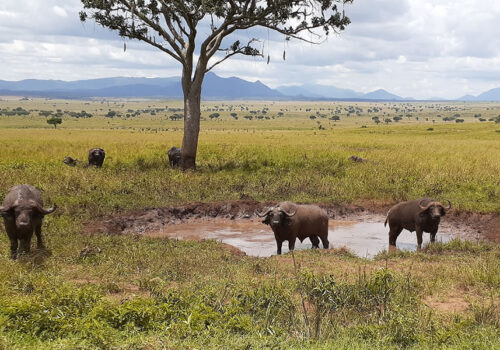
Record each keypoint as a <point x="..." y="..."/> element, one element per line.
<point x="365" y="239"/>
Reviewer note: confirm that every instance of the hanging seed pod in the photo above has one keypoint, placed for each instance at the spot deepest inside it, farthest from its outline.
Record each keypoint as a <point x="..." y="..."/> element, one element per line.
<point x="124" y="47"/>
<point x="268" y="59"/>
<point x="284" y="55"/>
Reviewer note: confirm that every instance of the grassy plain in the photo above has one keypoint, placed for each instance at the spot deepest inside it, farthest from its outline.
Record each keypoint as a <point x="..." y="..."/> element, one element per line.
<point x="144" y="293"/>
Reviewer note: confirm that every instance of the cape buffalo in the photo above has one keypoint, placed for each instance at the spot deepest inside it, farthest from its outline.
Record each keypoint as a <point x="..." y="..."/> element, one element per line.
<point x="22" y="211"/>
<point x="96" y="157"/>
<point x="420" y="215"/>
<point x="174" y="156"/>
<point x="70" y="161"/>
<point x="290" y="221"/>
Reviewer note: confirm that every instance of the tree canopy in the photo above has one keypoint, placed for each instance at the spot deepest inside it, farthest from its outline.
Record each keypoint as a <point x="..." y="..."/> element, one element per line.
<point x="197" y="29"/>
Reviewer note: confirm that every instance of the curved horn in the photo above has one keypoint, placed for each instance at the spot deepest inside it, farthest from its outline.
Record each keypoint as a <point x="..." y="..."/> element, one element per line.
<point x="43" y="211"/>
<point x="4" y="210"/>
<point x="287" y="213"/>
<point x="449" y="204"/>
<point x="264" y="213"/>
<point x="428" y="204"/>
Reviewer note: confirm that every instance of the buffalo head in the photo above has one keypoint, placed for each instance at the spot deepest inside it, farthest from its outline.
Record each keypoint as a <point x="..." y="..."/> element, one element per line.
<point x="23" y="213"/>
<point x="434" y="209"/>
<point x="275" y="216"/>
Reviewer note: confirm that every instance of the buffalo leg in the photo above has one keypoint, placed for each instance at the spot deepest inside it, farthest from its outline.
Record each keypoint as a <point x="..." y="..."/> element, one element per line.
<point x="291" y="244"/>
<point x="25" y="245"/>
<point x="13" y="248"/>
<point x="314" y="241"/>
<point x="38" y="232"/>
<point x="278" y="244"/>
<point x="325" y="242"/>
<point x="419" y="238"/>
<point x="13" y="241"/>
<point x="393" y="235"/>
<point x="433" y="236"/>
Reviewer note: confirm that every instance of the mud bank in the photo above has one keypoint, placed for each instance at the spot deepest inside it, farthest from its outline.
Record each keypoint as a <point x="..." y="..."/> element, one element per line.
<point x="235" y="223"/>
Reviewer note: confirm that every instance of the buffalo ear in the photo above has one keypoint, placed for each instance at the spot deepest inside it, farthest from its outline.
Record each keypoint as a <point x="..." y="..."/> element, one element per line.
<point x="267" y="220"/>
<point x="7" y="212"/>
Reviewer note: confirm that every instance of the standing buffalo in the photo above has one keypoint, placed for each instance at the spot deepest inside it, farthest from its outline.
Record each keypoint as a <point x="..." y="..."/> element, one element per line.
<point x="96" y="157"/>
<point x="420" y="215"/>
<point x="23" y="211"/>
<point x="290" y="221"/>
<point x="174" y="156"/>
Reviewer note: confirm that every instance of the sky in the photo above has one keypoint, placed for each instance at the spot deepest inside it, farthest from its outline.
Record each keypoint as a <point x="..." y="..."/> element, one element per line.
<point x="412" y="48"/>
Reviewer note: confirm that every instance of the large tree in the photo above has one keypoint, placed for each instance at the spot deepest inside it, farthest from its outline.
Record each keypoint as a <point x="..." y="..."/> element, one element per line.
<point x="174" y="27"/>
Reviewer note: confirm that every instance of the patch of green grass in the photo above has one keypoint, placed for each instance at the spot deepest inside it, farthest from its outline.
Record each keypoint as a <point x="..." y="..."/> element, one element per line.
<point x="130" y="292"/>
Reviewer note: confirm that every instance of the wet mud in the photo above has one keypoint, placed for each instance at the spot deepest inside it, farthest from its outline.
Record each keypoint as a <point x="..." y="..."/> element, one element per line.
<point x="358" y="228"/>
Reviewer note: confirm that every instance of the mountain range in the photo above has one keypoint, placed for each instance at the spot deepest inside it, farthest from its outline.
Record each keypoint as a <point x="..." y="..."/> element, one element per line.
<point x="214" y="88"/>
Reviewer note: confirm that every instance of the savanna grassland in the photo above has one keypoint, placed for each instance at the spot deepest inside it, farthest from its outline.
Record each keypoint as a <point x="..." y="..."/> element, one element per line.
<point x="133" y="292"/>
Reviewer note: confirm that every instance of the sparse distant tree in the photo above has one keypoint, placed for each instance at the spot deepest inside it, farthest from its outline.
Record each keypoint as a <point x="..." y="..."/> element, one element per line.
<point x="54" y="121"/>
<point x="214" y="116"/>
<point x="193" y="31"/>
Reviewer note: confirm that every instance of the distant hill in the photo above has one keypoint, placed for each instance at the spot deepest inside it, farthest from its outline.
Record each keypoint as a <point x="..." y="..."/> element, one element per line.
<point x="381" y="94"/>
<point x="318" y="91"/>
<point x="490" y="95"/>
<point x="214" y="87"/>
<point x="332" y="92"/>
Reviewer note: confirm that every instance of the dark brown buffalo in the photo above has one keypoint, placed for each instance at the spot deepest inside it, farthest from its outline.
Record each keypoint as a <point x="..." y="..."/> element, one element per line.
<point x="22" y="211"/>
<point x="174" y="157"/>
<point x="290" y="221"/>
<point x="96" y="157"/>
<point x="420" y="215"/>
<point x="70" y="161"/>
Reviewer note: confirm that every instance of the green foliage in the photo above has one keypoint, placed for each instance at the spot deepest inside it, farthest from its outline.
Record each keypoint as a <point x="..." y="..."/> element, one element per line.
<point x="54" y="121"/>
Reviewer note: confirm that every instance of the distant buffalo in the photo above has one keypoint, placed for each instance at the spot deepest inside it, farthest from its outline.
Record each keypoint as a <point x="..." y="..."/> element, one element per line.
<point x="174" y="156"/>
<point x="70" y="161"/>
<point x="290" y="221"/>
<point x="420" y="215"/>
<point x="358" y="159"/>
<point x="22" y="211"/>
<point x="96" y="157"/>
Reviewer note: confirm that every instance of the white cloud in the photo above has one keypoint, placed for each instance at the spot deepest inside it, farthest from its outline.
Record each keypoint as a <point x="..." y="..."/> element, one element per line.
<point x="60" y="11"/>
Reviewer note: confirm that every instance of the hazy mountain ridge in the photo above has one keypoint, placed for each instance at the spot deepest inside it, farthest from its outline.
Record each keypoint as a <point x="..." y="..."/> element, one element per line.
<point x="490" y="95"/>
<point x="214" y="87"/>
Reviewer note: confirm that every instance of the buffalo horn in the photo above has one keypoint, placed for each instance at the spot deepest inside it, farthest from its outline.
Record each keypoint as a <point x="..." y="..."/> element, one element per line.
<point x="42" y="210"/>
<point x="266" y="211"/>
<point x="287" y="213"/>
<point x="4" y="210"/>
<point x="449" y="204"/>
<point x="428" y="205"/>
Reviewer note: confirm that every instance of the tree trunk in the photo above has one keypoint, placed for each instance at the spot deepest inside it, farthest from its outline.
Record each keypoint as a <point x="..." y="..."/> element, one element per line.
<point x="192" y="114"/>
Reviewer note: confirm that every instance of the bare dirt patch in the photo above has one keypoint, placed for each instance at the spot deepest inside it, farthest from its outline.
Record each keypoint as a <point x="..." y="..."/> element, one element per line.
<point x="450" y="304"/>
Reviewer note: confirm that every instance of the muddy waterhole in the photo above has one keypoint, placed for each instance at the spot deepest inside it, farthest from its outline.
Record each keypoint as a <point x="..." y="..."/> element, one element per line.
<point x="365" y="239"/>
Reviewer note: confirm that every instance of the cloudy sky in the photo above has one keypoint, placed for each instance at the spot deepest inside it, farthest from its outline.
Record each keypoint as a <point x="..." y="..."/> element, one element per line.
<point x="417" y="48"/>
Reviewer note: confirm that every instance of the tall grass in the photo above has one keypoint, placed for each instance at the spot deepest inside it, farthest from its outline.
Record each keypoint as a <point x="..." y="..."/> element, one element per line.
<point x="131" y="292"/>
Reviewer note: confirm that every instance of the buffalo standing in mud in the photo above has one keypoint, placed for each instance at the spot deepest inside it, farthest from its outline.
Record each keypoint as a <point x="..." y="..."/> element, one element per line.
<point x="174" y="157"/>
<point x="290" y="221"/>
<point x="22" y="211"/>
<point x="96" y="157"/>
<point x="420" y="215"/>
